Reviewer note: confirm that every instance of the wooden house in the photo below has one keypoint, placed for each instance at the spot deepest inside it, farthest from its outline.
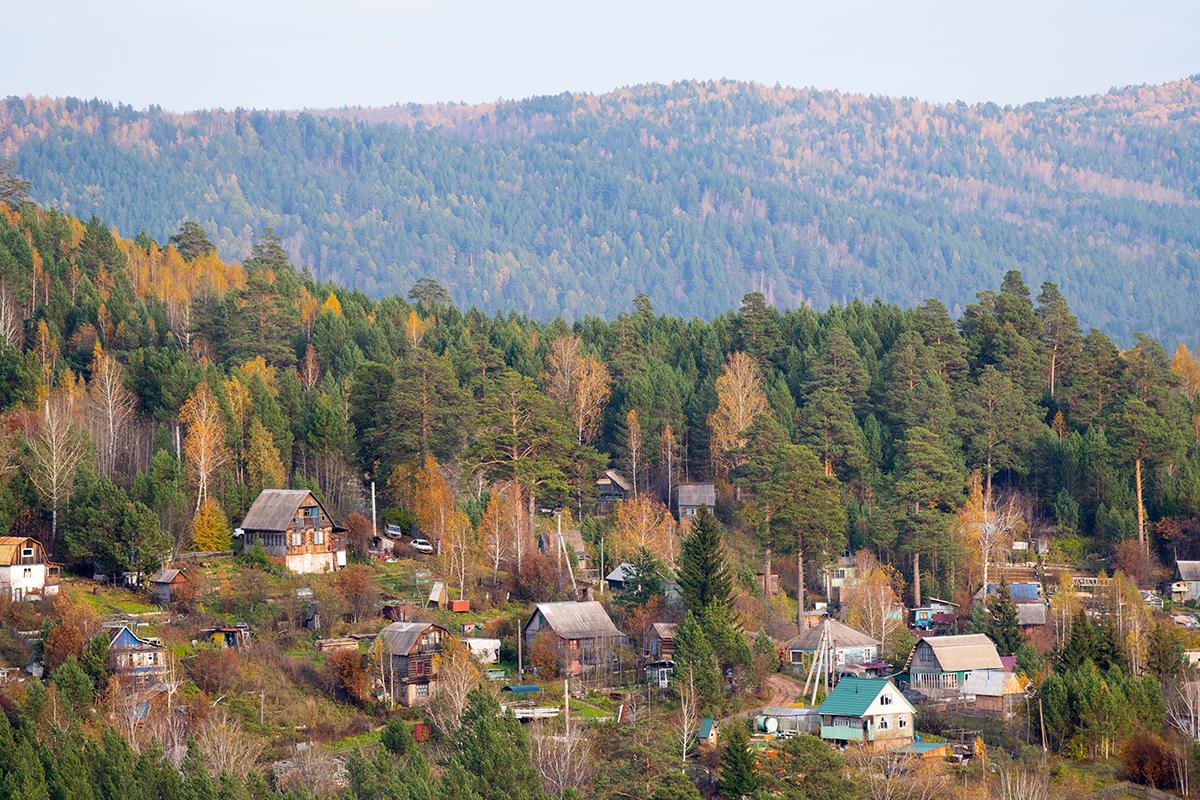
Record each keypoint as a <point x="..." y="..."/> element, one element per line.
<point x="941" y="664"/>
<point x="691" y="497"/>
<point x="994" y="692"/>
<point x="620" y="577"/>
<point x="1186" y="587"/>
<point x="660" y="641"/>
<point x="935" y="615"/>
<point x="870" y="712"/>
<point x="611" y="488"/>
<point x="850" y="646"/>
<point x="585" y="635"/>
<point x="138" y="663"/>
<point x="296" y="531"/>
<point x="25" y="571"/>
<point x="707" y="734"/>
<point x="408" y="653"/>
<point x="167" y="585"/>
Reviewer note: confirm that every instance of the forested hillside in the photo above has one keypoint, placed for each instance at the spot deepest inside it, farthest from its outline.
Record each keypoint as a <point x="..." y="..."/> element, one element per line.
<point x="693" y="193"/>
<point x="150" y="391"/>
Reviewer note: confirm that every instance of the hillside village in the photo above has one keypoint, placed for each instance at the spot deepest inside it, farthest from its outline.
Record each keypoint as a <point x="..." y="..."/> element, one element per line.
<point x="264" y="535"/>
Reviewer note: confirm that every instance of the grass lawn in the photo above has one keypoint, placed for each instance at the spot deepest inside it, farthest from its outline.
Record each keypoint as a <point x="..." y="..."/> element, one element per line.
<point x="107" y="600"/>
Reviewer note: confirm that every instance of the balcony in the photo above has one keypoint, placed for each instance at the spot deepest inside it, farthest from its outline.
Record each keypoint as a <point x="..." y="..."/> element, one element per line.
<point x="841" y="733"/>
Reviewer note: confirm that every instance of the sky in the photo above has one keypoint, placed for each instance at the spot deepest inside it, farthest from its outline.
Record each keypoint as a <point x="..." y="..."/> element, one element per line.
<point x="300" y="54"/>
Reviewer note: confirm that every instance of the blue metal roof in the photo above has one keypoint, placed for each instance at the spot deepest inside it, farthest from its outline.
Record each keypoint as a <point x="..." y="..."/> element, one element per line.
<point x="522" y="688"/>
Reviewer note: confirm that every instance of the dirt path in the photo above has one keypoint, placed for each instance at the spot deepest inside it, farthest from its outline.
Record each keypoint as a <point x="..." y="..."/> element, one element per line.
<point x="783" y="692"/>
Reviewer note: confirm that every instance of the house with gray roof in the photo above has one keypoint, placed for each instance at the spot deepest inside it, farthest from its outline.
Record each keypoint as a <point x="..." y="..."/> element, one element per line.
<point x="943" y="663"/>
<point x="611" y="488"/>
<point x="294" y="528"/>
<point x="583" y="634"/>
<point x="850" y="646"/>
<point x="691" y="497"/>
<point x="408" y="653"/>
<point x="1186" y="587"/>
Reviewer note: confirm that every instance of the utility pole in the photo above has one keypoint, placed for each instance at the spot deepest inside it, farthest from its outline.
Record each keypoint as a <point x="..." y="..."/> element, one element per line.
<point x="374" y="524"/>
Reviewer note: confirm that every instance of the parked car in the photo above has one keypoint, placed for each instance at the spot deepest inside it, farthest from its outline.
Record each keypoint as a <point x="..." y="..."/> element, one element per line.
<point x="421" y="545"/>
<point x="394" y="531"/>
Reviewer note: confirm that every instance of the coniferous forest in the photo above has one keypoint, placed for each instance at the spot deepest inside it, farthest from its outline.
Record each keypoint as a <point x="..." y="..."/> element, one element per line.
<point x="150" y="389"/>
<point x="694" y="194"/>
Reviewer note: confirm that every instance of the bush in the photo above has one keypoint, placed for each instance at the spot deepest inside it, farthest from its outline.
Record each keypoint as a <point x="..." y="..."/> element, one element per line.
<point x="1146" y="759"/>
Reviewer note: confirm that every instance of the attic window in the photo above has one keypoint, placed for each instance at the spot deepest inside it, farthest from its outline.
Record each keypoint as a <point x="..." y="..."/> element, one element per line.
<point x="26" y="552"/>
<point x="886" y="700"/>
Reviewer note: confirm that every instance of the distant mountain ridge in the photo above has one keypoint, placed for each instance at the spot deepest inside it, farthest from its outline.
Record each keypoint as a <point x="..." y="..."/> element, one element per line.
<point x="694" y="192"/>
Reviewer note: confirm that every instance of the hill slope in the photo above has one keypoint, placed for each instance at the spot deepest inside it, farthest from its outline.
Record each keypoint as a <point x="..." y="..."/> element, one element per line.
<point x="694" y="193"/>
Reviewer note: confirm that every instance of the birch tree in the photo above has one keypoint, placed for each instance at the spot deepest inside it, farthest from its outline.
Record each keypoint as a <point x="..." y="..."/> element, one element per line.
<point x="55" y="445"/>
<point x="204" y="445"/>
<point x="740" y="398"/>
<point x="494" y="531"/>
<point x="111" y="407"/>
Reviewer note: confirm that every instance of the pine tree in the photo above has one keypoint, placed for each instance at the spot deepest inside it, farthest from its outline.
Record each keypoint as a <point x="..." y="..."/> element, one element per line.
<point x="492" y="751"/>
<point x="737" y="778"/>
<point x="703" y="577"/>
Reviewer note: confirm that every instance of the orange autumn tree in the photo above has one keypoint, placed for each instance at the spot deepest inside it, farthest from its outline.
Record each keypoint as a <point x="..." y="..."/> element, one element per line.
<point x="433" y="501"/>
<point x="204" y="445"/>
<point x="740" y="398"/>
<point x="642" y="522"/>
<point x="579" y="383"/>
<point x="210" y="528"/>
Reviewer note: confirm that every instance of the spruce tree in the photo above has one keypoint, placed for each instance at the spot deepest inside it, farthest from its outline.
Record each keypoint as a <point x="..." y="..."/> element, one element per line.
<point x="694" y="655"/>
<point x="737" y="765"/>
<point x="1003" y="626"/>
<point x="703" y="577"/>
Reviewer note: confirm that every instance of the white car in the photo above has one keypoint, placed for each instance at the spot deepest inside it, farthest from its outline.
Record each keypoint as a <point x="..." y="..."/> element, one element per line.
<point x="421" y="545"/>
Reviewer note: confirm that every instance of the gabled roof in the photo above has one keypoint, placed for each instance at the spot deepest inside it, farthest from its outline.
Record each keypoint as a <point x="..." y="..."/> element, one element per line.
<point x="573" y="539"/>
<point x="125" y="639"/>
<point x="572" y="619"/>
<point x="617" y="478"/>
<point x="706" y="726"/>
<point x="624" y="572"/>
<point x="696" y="494"/>
<point x="664" y="630"/>
<point x="969" y="651"/>
<point x="853" y="696"/>
<point x="399" y="637"/>
<point x="841" y="634"/>
<point x="167" y="576"/>
<point x="1188" y="570"/>
<point x="274" y="509"/>
<point x="10" y="548"/>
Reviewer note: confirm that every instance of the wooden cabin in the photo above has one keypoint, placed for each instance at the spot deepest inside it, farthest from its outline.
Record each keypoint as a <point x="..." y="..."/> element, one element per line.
<point x="691" y="497"/>
<point x="168" y="585"/>
<point x="25" y="571"/>
<point x="409" y="653"/>
<point x="295" y="529"/>
<point x="138" y="663"/>
<point x="611" y="488"/>
<point x="943" y="663"/>
<point x="585" y="635"/>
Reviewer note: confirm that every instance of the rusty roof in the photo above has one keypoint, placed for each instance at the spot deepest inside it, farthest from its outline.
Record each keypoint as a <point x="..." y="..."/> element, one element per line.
<point x="10" y="548"/>
<point x="274" y="509"/>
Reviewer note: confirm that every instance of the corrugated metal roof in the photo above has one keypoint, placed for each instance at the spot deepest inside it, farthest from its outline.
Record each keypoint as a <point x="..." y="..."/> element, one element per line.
<point x="274" y="509"/>
<point x="696" y="494"/>
<point x="1188" y="570"/>
<point x="166" y="575"/>
<point x="1031" y="613"/>
<point x="624" y="572"/>
<point x="399" y="637"/>
<point x="572" y="619"/>
<point x="969" y="651"/>
<point x="841" y="634"/>
<point x="852" y="696"/>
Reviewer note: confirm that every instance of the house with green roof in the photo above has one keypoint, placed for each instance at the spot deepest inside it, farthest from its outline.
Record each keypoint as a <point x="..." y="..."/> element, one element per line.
<point x="867" y="711"/>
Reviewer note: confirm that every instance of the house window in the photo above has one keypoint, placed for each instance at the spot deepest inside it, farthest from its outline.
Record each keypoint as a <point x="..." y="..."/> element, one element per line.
<point x="886" y="700"/>
<point x="28" y="572"/>
<point x="297" y="539"/>
<point x="422" y="690"/>
<point x="883" y="724"/>
<point x="26" y="552"/>
<point x="419" y="668"/>
<point x="903" y="723"/>
<point x="318" y="537"/>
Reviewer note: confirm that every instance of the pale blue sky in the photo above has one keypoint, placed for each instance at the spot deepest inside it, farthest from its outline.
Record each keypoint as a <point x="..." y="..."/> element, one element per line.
<point x="277" y="54"/>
